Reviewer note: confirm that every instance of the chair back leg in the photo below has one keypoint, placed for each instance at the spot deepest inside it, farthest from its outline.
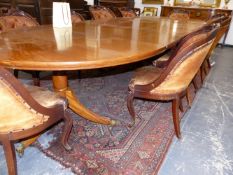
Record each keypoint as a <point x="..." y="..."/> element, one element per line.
<point x="181" y="105"/>
<point x="175" y="114"/>
<point x="188" y="97"/>
<point x="9" y="151"/>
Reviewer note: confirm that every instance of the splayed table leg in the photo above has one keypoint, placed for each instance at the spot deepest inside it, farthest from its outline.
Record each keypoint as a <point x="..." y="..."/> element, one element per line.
<point x="60" y="84"/>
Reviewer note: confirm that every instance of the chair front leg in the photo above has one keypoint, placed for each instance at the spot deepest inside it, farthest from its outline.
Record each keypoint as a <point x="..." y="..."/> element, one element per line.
<point x="175" y="114"/>
<point x="9" y="152"/>
<point x="130" y="106"/>
<point x="66" y="132"/>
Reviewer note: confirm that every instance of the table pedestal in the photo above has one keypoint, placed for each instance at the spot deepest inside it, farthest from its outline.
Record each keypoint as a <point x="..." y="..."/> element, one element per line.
<point x="60" y="84"/>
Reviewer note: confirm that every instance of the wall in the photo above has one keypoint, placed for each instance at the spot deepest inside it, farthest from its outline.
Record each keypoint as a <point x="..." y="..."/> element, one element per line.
<point x="90" y="2"/>
<point x="138" y="4"/>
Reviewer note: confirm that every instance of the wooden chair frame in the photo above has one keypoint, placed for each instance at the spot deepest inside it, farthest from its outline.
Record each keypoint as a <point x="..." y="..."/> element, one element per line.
<point x="55" y="114"/>
<point x="177" y="56"/>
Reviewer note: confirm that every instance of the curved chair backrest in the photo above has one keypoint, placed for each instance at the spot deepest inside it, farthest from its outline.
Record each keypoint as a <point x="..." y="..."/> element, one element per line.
<point x="100" y="12"/>
<point x="16" y="19"/>
<point x="14" y="95"/>
<point x="127" y="13"/>
<point x="179" y="15"/>
<point x="185" y="60"/>
<point x="76" y="17"/>
<point x="224" y="26"/>
<point x="217" y="18"/>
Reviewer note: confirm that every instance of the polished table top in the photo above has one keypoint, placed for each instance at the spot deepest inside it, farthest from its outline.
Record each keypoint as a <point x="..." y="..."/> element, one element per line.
<point x="92" y="44"/>
<point x="89" y="45"/>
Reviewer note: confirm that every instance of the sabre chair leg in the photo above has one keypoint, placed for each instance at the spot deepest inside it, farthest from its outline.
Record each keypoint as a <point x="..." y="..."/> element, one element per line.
<point x="188" y="97"/>
<point x="175" y="114"/>
<point x="205" y="67"/>
<point x="203" y="73"/>
<point x="9" y="152"/>
<point x="181" y="106"/>
<point x="208" y="63"/>
<point x="130" y="107"/>
<point x="194" y="82"/>
<point x="66" y="132"/>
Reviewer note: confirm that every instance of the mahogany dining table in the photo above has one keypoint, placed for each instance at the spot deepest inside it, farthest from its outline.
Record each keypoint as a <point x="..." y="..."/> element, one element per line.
<point x="90" y="45"/>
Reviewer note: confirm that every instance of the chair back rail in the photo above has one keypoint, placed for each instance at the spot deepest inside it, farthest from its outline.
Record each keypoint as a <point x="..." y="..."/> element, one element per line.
<point x="100" y="12"/>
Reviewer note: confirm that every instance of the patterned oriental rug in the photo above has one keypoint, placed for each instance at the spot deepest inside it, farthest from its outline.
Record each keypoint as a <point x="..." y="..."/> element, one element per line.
<point x="103" y="150"/>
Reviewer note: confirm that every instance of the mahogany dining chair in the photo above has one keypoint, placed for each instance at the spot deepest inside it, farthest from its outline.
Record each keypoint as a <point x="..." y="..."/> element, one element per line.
<point x="35" y="110"/>
<point x="171" y="83"/>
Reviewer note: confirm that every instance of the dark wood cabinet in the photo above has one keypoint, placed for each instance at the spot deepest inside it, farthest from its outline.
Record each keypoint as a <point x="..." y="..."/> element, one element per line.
<point x="5" y="3"/>
<point x="116" y="3"/>
<point x="195" y="12"/>
<point x="42" y="9"/>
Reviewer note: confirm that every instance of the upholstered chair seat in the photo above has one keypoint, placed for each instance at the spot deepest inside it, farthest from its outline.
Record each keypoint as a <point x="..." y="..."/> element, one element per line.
<point x="46" y="97"/>
<point x="145" y="75"/>
<point x="172" y="81"/>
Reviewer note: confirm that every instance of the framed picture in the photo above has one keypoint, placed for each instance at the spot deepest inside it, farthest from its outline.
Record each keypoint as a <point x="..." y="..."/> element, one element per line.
<point x="201" y="3"/>
<point x="150" y="11"/>
<point x="152" y="1"/>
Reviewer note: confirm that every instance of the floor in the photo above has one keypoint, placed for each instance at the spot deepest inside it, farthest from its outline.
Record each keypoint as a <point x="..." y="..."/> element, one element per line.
<point x="207" y="141"/>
